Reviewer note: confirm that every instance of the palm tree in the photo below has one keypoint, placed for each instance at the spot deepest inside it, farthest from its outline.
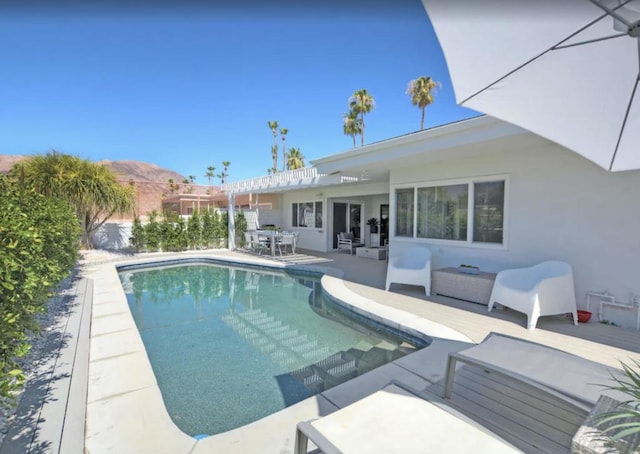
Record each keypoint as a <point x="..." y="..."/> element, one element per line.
<point x="210" y="174"/>
<point x="273" y="125"/>
<point x="421" y="91"/>
<point x="361" y="102"/>
<point x="283" y="133"/>
<point x="295" y="159"/>
<point x="351" y="125"/>
<point x="223" y="176"/>
<point x="90" y="188"/>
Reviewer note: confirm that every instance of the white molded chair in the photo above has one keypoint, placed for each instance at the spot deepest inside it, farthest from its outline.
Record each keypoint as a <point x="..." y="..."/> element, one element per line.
<point x="543" y="289"/>
<point x="412" y="266"/>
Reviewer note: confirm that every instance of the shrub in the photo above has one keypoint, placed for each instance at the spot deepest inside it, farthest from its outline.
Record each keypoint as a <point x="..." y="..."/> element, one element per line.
<point x="137" y="240"/>
<point x="624" y="421"/>
<point x="39" y="241"/>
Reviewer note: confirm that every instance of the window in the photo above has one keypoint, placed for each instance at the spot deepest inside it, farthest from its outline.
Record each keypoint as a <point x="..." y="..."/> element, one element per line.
<point x="306" y="214"/>
<point x="442" y="212"/>
<point x="404" y="212"/>
<point x="470" y="212"/>
<point x="488" y="212"/>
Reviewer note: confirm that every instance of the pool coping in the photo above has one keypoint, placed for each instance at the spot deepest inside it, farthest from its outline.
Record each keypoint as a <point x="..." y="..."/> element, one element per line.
<point x="125" y="410"/>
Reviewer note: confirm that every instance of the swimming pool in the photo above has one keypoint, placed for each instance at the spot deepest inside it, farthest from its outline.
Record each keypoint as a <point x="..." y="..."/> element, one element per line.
<point x="230" y="345"/>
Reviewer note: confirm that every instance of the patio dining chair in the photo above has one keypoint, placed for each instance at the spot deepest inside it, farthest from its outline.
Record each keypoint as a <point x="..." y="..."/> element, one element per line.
<point x="259" y="242"/>
<point x="286" y="240"/>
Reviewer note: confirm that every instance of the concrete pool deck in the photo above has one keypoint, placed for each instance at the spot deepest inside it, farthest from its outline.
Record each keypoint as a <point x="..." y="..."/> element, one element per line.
<point x="125" y="411"/>
<point x="124" y="408"/>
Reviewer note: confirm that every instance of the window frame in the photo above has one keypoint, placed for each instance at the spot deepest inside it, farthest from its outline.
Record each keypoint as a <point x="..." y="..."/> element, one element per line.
<point x="470" y="182"/>
<point x="315" y="204"/>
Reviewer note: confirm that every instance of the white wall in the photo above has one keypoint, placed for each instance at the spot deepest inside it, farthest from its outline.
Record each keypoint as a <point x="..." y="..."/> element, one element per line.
<point x="369" y="194"/>
<point x="560" y="206"/>
<point x="112" y="236"/>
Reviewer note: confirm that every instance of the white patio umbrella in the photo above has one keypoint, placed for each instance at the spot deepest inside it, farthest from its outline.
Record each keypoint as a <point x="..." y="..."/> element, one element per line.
<point x="566" y="70"/>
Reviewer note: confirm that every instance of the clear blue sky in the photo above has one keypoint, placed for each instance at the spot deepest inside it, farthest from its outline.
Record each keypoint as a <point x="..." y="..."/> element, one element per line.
<point x="190" y="86"/>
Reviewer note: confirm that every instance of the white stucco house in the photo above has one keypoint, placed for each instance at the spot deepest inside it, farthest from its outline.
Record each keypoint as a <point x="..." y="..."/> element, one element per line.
<point x="480" y="192"/>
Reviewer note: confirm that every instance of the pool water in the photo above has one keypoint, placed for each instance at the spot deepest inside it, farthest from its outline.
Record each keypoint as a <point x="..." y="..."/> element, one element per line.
<point x="230" y="345"/>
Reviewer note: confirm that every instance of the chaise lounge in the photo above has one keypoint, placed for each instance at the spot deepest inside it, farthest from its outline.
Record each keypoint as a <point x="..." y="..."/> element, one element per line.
<point x="398" y="419"/>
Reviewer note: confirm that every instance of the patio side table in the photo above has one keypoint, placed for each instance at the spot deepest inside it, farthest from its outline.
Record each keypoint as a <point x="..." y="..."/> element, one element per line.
<point x="469" y="287"/>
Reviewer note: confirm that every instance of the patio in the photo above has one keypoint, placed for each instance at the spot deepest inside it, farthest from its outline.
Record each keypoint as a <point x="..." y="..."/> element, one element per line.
<point x="129" y="420"/>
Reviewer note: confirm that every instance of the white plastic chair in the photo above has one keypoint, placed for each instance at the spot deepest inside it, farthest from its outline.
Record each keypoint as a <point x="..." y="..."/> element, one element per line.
<point x="543" y="289"/>
<point x="412" y="266"/>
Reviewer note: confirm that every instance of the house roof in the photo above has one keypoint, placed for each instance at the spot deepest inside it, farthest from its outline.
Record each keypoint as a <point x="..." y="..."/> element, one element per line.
<point x="471" y="137"/>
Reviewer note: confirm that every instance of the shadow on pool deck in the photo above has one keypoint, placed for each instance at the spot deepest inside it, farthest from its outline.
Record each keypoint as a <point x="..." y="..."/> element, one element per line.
<point x="37" y="425"/>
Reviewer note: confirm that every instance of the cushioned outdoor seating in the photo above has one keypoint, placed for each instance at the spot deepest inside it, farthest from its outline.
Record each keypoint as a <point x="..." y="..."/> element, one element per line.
<point x="347" y="242"/>
<point x="569" y="377"/>
<point x="399" y="420"/>
<point x="412" y="266"/>
<point x="543" y="289"/>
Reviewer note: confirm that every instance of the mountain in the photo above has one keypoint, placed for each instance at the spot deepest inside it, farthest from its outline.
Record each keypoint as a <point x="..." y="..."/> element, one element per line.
<point x="151" y="180"/>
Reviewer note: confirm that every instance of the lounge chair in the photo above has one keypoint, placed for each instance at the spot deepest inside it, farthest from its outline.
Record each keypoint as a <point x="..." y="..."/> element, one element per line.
<point x="543" y="289"/>
<point x="347" y="242"/>
<point x="397" y="419"/>
<point x="412" y="266"/>
<point x="571" y="378"/>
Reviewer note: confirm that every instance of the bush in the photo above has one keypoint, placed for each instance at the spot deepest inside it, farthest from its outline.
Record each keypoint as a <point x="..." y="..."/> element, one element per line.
<point x="39" y="242"/>
<point x="173" y="233"/>
<point x="137" y="240"/>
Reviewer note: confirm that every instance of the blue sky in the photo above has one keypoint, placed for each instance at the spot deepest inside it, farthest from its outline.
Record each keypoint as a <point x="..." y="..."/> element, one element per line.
<point x="190" y="86"/>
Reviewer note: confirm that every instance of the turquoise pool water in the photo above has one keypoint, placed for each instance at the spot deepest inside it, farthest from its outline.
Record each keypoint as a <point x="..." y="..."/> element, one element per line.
<point x="230" y="345"/>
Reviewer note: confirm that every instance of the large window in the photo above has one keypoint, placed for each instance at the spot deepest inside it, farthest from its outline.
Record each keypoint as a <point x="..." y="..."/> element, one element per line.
<point x="442" y="212"/>
<point x="468" y="212"/>
<point x="306" y="214"/>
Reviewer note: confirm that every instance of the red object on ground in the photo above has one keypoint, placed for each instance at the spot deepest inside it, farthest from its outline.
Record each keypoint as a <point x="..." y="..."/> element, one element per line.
<point x="584" y="316"/>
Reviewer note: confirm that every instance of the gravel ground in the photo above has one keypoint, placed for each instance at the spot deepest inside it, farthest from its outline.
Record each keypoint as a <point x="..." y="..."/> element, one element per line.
<point x="57" y="309"/>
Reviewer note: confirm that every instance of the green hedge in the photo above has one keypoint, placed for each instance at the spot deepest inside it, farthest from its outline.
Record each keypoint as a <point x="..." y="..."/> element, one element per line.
<point x="39" y="240"/>
<point x="172" y="233"/>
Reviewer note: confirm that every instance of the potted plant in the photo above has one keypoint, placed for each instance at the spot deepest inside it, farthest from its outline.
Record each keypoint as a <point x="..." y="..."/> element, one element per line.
<point x="468" y="269"/>
<point x="373" y="224"/>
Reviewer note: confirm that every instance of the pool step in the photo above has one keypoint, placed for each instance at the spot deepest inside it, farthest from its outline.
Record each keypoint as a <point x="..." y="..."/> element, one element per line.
<point x="285" y="345"/>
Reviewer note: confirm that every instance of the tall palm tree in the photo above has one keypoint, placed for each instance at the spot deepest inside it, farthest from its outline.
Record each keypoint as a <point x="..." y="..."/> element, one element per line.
<point x="223" y="176"/>
<point x="351" y="125"/>
<point x="295" y="159"/>
<point x="210" y="174"/>
<point x="361" y="102"/>
<point x="273" y="125"/>
<point x="283" y="133"/>
<point x="90" y="188"/>
<point x="421" y="91"/>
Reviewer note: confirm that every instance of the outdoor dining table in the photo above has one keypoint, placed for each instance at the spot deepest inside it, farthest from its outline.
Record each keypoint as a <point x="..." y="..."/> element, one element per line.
<point x="271" y="235"/>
